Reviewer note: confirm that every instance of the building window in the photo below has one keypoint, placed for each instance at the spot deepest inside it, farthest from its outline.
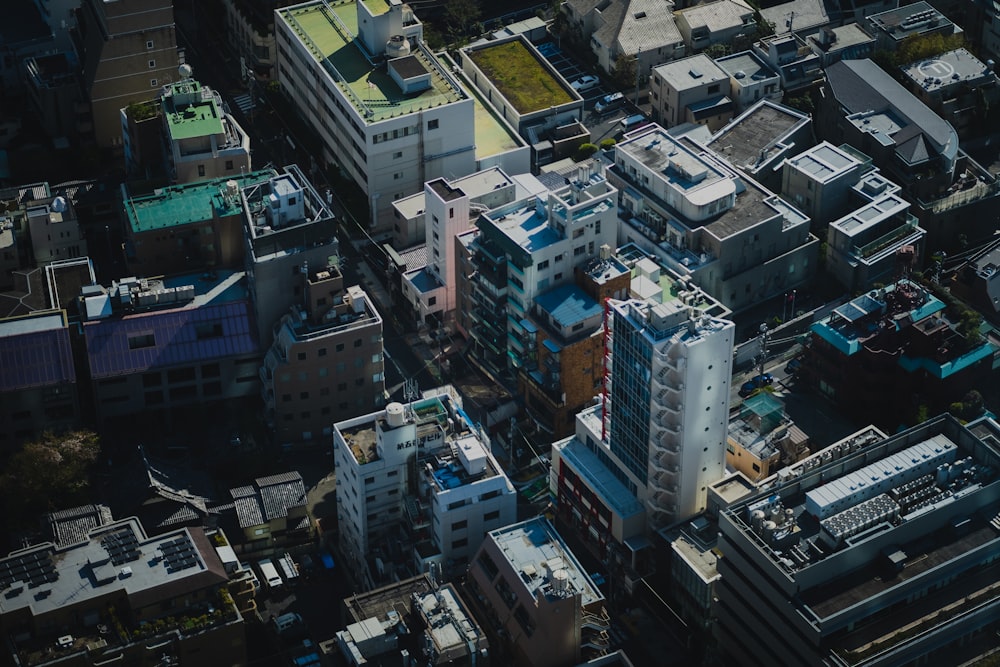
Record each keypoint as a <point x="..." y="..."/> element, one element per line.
<point x="432" y="301"/>
<point x="458" y="544"/>
<point x="301" y="356"/>
<point x="149" y="44"/>
<point x="229" y="165"/>
<point x="357" y="343"/>
<point x="543" y="265"/>
<point x="432" y="124"/>
<point x="201" y="170"/>
<point x="340" y="347"/>
<point x="397" y="155"/>
<point x="152" y="83"/>
<point x="321" y="352"/>
<point x="459" y="525"/>
<point x="152" y="64"/>
<point x="205" y="330"/>
<point x="489" y="516"/>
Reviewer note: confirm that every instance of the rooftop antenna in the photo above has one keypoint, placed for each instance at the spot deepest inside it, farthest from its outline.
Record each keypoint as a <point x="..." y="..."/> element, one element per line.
<point x="410" y="393"/>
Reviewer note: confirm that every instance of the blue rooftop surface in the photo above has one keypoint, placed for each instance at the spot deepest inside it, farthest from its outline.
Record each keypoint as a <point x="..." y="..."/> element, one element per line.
<point x="948" y="368"/>
<point x="116" y="346"/>
<point x="35" y="352"/>
<point x="568" y="305"/>
<point x="611" y="491"/>
<point x="423" y="280"/>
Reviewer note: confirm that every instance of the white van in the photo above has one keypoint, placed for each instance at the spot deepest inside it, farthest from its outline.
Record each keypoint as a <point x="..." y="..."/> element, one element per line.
<point x="633" y="122"/>
<point x="269" y="573"/>
<point x="290" y="625"/>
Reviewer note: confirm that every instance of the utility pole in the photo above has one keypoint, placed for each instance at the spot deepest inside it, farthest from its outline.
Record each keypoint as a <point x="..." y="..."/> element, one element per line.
<point x="638" y="69"/>
<point x="762" y="357"/>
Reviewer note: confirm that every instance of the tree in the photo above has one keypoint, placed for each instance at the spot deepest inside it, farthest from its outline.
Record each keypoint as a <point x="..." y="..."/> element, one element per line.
<point x="624" y="71"/>
<point x="461" y="15"/>
<point x="48" y="474"/>
<point x="584" y="151"/>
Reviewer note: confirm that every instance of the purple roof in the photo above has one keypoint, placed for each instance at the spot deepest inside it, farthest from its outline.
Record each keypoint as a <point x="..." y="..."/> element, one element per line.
<point x="136" y="343"/>
<point x="36" y="359"/>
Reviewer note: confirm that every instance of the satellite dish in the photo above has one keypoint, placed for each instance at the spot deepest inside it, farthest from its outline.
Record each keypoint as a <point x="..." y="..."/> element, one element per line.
<point x="59" y="204"/>
<point x="185" y="71"/>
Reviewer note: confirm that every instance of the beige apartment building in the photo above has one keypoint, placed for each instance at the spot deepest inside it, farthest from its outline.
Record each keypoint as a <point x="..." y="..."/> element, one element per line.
<point x="128" y="51"/>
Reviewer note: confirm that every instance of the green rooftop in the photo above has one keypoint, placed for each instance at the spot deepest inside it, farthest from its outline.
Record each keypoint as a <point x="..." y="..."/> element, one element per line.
<point x="520" y="76"/>
<point x="330" y="32"/>
<point x="188" y="114"/>
<point x="187" y="204"/>
<point x="377" y="7"/>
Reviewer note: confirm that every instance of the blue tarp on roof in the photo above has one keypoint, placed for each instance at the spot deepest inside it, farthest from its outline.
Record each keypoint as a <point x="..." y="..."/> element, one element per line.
<point x="568" y="305"/>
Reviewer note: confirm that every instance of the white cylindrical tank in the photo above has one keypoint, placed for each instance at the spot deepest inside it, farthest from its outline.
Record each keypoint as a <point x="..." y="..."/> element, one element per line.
<point x="394" y="414"/>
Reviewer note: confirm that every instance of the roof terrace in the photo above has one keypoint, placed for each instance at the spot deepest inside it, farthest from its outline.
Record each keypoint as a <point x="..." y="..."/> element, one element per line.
<point x="466" y="462"/>
<point x="520" y="76"/>
<point x="537" y="552"/>
<point x="191" y="110"/>
<point x="330" y="32"/>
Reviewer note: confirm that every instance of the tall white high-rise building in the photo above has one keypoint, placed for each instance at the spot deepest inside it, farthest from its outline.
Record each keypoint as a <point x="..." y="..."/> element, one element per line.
<point x="665" y="403"/>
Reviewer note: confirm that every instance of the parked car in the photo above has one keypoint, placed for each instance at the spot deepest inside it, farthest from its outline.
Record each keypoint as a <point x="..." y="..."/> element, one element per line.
<point x="632" y="122"/>
<point x="609" y="103"/>
<point x="755" y="383"/>
<point x="585" y="83"/>
<point x="270" y="574"/>
<point x="793" y="366"/>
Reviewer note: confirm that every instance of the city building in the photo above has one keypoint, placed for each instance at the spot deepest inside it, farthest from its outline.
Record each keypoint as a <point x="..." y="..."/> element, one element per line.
<point x="977" y="282"/>
<point x="759" y="139"/>
<point x="127" y="51"/>
<point x="54" y="230"/>
<point x="198" y="139"/>
<point x="117" y="592"/>
<point x="884" y="556"/>
<point x="862" y="247"/>
<point x="187" y="227"/>
<point x="417" y="485"/>
<point x="529" y="94"/>
<point x="451" y="207"/>
<point x="563" y="344"/>
<point x="287" y="228"/>
<point x="846" y="42"/>
<point x="153" y="345"/>
<point x="732" y="237"/>
<point x="750" y="79"/>
<point x="691" y="90"/>
<point x="526" y="248"/>
<point x="38" y="386"/>
<point x="796" y="16"/>
<point x="52" y="88"/>
<point x="798" y="67"/>
<point x="890" y="28"/>
<point x="720" y="22"/>
<point x="819" y="181"/>
<point x="958" y="86"/>
<point x="537" y="599"/>
<point x="417" y="619"/>
<point x="389" y="129"/>
<point x="26" y="34"/>
<point x="484" y="189"/>
<point x="643" y="31"/>
<point x="665" y="403"/>
<point x="326" y="362"/>
<point x="250" y="32"/>
<point x="762" y="439"/>
<point x="271" y="512"/>
<point x="884" y="354"/>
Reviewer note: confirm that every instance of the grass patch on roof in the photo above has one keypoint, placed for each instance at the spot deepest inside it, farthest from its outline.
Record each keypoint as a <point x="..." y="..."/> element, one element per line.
<point x="519" y="77"/>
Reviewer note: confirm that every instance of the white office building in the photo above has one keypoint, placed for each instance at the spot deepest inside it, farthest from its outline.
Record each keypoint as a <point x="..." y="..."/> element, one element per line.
<point x="416" y="484"/>
<point x="386" y="110"/>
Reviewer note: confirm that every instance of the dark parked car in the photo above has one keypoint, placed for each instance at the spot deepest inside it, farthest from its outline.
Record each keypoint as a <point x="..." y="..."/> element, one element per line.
<point x="755" y="383"/>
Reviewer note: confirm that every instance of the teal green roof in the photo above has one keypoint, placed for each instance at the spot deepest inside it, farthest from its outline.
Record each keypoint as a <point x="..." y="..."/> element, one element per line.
<point x="187" y="204"/>
<point x="199" y="119"/>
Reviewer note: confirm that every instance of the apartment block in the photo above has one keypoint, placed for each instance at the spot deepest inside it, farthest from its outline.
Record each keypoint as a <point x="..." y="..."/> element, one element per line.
<point x="890" y="28"/>
<point x="887" y="352"/>
<point x="111" y="595"/>
<point x="750" y="79"/>
<point x="732" y="237"/>
<point x="326" y="361"/>
<point x="38" y="387"/>
<point x="957" y="85"/>
<point x="719" y="22"/>
<point x="863" y="247"/>
<point x="127" y="50"/>
<point x="389" y="623"/>
<point x="819" y="181"/>
<point x="532" y="588"/>
<point x="197" y="138"/>
<point x="417" y="485"/>
<point x="665" y="403"/>
<point x="54" y="230"/>
<point x="250" y="32"/>
<point x="887" y="552"/>
<point x="153" y="345"/>
<point x="526" y="248"/>
<point x="691" y="90"/>
<point x="762" y="439"/>
<point x="391" y="129"/>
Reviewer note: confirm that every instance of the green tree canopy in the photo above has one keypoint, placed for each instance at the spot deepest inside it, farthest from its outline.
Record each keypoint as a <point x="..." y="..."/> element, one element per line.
<point x="48" y="474"/>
